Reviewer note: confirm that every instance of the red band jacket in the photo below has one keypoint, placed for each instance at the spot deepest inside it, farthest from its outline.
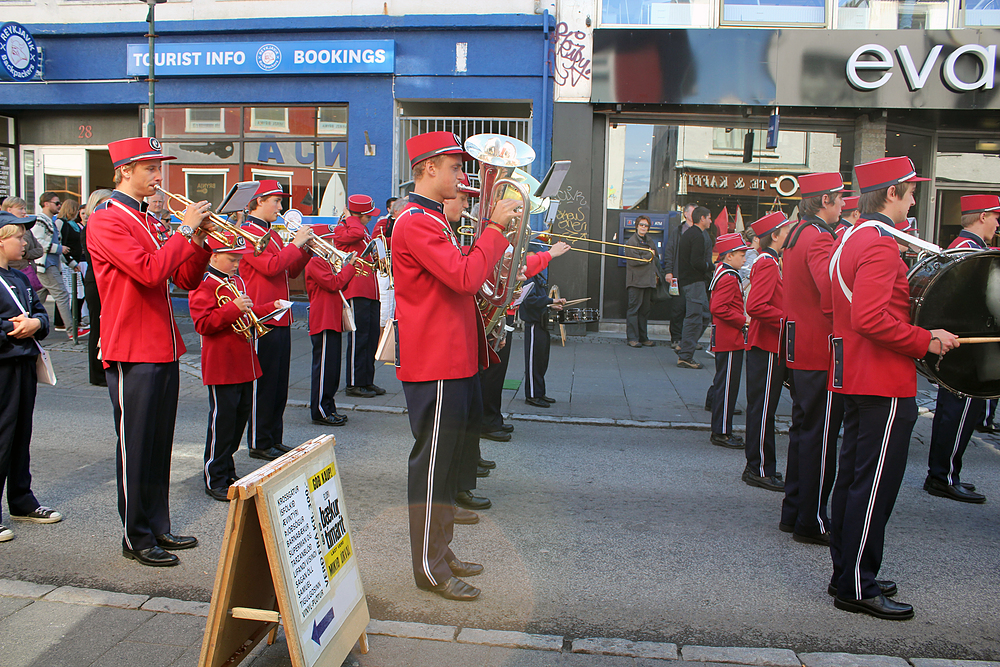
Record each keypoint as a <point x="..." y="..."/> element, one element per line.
<point x="267" y="274"/>
<point x="133" y="256"/>
<point x="967" y="239"/>
<point x="537" y="263"/>
<point x="764" y="303"/>
<point x="227" y="357"/>
<point x="808" y="305"/>
<point x="326" y="309"/>
<point x="728" y="314"/>
<point x="874" y="342"/>
<point x="440" y="328"/>
<point x="352" y="236"/>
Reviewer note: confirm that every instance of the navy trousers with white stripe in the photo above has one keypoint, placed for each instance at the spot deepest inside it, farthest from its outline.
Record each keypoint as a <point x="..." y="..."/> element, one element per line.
<point x="363" y="343"/>
<point x="270" y="392"/>
<point x="765" y="373"/>
<point x="144" y="398"/>
<point x="445" y="417"/>
<point x="228" y="412"/>
<point x="491" y="380"/>
<point x="812" y="452"/>
<point x="954" y="420"/>
<point x="725" y="389"/>
<point x="18" y="386"/>
<point x="869" y="473"/>
<point x="537" y="343"/>
<point x="325" y="373"/>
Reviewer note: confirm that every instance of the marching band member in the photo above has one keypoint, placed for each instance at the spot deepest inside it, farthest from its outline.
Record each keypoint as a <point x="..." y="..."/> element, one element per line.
<point x="134" y="255"/>
<point x="817" y="412"/>
<point x="874" y="346"/>
<point x="351" y="235"/>
<point x="849" y="215"/>
<point x="955" y="417"/>
<point x="537" y="342"/>
<point x="729" y="339"/>
<point x="386" y="291"/>
<point x="765" y="366"/>
<point x="442" y="347"/>
<point x="326" y="322"/>
<point x="229" y="362"/>
<point x="266" y="276"/>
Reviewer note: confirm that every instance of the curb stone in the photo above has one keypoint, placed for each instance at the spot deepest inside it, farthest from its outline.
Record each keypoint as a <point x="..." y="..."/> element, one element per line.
<point x="91" y="596"/>
<point x="765" y="657"/>
<point x="23" y="589"/>
<point x="509" y="639"/>
<point x="939" y="662"/>
<point x="850" y="660"/>
<point x="172" y="606"/>
<point x="441" y="633"/>
<point x="624" y="647"/>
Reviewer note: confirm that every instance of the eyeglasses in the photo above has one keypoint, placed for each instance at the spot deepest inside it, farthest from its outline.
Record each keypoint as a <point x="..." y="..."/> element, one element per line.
<point x="56" y="202"/>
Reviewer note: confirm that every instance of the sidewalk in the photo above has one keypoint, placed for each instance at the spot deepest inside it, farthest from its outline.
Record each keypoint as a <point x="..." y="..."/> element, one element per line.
<point x="45" y="626"/>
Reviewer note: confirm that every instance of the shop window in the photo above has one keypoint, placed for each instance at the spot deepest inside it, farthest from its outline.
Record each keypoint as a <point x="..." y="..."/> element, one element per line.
<point x="332" y="121"/>
<point x="206" y="184"/>
<point x="982" y="13"/>
<point x="694" y="13"/>
<point x="728" y="140"/>
<point x="269" y="119"/>
<point x="774" y="12"/>
<point x="203" y="120"/>
<point x="892" y="14"/>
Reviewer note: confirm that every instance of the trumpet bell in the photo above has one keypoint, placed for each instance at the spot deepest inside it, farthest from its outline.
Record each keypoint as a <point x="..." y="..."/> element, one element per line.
<point x="499" y="150"/>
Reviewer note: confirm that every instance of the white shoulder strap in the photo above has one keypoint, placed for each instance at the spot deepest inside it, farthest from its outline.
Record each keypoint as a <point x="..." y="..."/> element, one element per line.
<point x="14" y="296"/>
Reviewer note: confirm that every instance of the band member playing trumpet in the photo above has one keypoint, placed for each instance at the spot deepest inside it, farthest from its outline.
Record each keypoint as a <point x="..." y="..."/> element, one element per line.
<point x="229" y="365"/>
<point x="442" y="346"/>
<point x="266" y="277"/>
<point x="326" y="322"/>
<point x="134" y="256"/>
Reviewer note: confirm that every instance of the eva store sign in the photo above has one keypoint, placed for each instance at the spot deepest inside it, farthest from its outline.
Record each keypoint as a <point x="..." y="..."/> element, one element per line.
<point x="877" y="58"/>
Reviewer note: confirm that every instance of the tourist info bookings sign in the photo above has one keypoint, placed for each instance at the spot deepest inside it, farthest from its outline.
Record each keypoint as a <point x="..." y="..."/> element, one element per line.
<point x="316" y="546"/>
<point x="263" y="58"/>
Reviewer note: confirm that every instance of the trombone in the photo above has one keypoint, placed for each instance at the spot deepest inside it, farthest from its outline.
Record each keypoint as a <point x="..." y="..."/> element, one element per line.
<point x="258" y="243"/>
<point x="323" y="248"/>
<point x="247" y="323"/>
<point x="572" y="239"/>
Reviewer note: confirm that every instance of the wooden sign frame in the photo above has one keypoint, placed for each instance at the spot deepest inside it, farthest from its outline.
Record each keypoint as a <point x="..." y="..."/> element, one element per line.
<point x="287" y="558"/>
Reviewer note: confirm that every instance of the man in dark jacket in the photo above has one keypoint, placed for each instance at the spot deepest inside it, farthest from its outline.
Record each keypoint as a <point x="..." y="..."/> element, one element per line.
<point x="694" y="270"/>
<point x="640" y="281"/>
<point x="676" y="304"/>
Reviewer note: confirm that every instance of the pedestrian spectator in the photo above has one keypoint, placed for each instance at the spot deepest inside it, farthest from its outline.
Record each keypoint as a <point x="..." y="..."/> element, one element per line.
<point x="674" y="234"/>
<point x="640" y="282"/>
<point x="694" y="270"/>
<point x="49" y="265"/>
<point x="69" y="229"/>
<point x="156" y="206"/>
<point x="91" y="295"/>
<point x="26" y="264"/>
<point x="23" y="321"/>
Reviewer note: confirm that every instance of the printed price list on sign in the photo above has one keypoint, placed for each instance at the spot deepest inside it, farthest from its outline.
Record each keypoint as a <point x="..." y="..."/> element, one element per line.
<point x="302" y="544"/>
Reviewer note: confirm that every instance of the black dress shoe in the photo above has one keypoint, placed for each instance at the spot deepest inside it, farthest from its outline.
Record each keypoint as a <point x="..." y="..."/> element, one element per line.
<point x="218" y="494"/>
<point x="537" y="402"/>
<point x="496" y="436"/>
<point x="465" y="517"/>
<point x="483" y="463"/>
<point x="936" y="487"/>
<point x="374" y="387"/>
<point x="786" y="527"/>
<point x="175" y="542"/>
<point x="967" y="486"/>
<point x="879" y="606"/>
<point x="359" y="392"/>
<point x="508" y="428"/>
<point x="887" y="587"/>
<point x="463" y="569"/>
<point x="454" y="589"/>
<point x="482" y="472"/>
<point x="268" y="454"/>
<point x="726" y="440"/>
<point x="470" y="502"/>
<point x="822" y="539"/>
<point x="987" y="428"/>
<point x="548" y="400"/>
<point x="772" y="483"/>
<point x="283" y="448"/>
<point x="335" y="420"/>
<point x="153" y="556"/>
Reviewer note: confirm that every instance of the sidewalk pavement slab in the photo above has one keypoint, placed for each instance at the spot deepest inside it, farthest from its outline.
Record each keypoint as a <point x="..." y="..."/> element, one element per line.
<point x="10" y="588"/>
<point x="74" y="595"/>
<point x="766" y="657"/>
<point x="850" y="660"/>
<point x="170" y="629"/>
<point x="403" y="629"/>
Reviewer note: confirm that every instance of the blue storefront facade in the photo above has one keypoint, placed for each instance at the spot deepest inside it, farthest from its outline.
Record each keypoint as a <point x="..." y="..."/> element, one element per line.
<point x="325" y="109"/>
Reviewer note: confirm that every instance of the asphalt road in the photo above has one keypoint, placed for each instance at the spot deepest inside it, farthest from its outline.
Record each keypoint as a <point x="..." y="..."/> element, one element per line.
<point x="644" y="534"/>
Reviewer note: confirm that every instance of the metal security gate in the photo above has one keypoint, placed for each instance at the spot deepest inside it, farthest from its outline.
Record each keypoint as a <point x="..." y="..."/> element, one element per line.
<point x="410" y="126"/>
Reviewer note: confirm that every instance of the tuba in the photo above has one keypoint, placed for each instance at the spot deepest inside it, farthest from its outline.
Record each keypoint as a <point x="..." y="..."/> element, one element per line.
<point x="247" y="324"/>
<point x="499" y="156"/>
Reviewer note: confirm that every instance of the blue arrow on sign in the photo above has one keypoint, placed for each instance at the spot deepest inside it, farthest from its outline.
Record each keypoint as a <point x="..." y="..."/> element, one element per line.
<point x="320" y="628"/>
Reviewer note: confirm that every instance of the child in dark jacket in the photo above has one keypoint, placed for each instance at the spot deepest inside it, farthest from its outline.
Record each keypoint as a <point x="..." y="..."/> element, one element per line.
<point x="534" y="313"/>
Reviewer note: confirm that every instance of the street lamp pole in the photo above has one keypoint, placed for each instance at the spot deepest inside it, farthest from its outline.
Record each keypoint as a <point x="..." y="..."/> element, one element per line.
<point x="151" y="20"/>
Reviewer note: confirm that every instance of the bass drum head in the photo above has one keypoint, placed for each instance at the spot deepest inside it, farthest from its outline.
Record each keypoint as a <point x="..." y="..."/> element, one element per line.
<point x="960" y="294"/>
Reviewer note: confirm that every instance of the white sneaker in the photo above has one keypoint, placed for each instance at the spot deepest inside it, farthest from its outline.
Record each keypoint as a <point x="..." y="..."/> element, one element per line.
<point x="40" y="514"/>
<point x="6" y="534"/>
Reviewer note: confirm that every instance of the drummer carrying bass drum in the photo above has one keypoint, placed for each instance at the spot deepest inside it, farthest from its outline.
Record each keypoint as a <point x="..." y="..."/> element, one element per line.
<point x="955" y="416"/>
<point x="534" y="313"/>
<point x="874" y="347"/>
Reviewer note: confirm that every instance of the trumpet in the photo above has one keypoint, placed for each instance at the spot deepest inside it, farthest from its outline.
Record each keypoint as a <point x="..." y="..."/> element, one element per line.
<point x="258" y="243"/>
<point x="247" y="323"/>
<point x="323" y="248"/>
<point x="383" y="260"/>
<point x="572" y="239"/>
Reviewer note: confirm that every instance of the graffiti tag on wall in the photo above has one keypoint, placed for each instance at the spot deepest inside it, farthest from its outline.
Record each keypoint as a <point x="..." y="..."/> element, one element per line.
<point x="570" y="64"/>
<point x="571" y="219"/>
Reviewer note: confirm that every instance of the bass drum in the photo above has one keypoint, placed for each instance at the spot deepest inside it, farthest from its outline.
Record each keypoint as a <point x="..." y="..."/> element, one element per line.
<point x="959" y="291"/>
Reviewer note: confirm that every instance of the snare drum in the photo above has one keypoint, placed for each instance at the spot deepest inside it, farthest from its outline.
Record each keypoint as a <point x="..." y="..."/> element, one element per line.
<point x="579" y="315"/>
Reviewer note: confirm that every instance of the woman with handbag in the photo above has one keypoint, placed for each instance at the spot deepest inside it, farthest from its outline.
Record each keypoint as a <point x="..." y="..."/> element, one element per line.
<point x="23" y="321"/>
<point x="640" y="283"/>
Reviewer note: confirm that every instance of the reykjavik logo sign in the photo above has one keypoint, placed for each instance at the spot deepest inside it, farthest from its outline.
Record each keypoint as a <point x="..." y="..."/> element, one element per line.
<point x="916" y="79"/>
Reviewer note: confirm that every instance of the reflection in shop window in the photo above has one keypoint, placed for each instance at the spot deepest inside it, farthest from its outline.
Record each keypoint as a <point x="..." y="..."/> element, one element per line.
<point x="332" y="121"/>
<point x="205" y="185"/>
<point x="728" y="139"/>
<point x="208" y="120"/>
<point x="774" y="12"/>
<point x="892" y="14"/>
<point x="694" y="13"/>
<point x="982" y="13"/>
<point x="269" y="119"/>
